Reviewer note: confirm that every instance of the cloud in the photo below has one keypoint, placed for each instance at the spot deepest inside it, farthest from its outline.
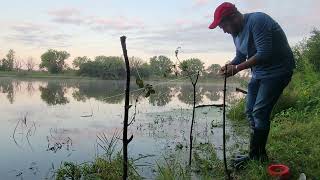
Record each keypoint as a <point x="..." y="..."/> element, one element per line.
<point x="38" y="35"/>
<point x="67" y="16"/>
<point x="65" y="12"/>
<point x="74" y="16"/>
<point x="194" y="37"/>
<point x="116" y="24"/>
<point x="201" y="2"/>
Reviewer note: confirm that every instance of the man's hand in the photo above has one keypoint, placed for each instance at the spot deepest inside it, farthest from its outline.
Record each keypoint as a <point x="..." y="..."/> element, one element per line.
<point x="231" y="70"/>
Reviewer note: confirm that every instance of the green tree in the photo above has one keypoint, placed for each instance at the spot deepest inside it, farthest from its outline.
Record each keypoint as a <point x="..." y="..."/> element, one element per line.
<point x="8" y="62"/>
<point x="161" y="65"/>
<point x="191" y="66"/>
<point x="139" y="67"/>
<point x="53" y="60"/>
<point x="313" y="49"/>
<point x="145" y="70"/>
<point x="2" y="62"/>
<point x="307" y="52"/>
<point x="80" y="60"/>
<point x="105" y="67"/>
<point x="213" y="69"/>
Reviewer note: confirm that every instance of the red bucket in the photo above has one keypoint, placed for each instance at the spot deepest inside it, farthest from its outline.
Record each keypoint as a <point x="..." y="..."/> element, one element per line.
<point x="279" y="171"/>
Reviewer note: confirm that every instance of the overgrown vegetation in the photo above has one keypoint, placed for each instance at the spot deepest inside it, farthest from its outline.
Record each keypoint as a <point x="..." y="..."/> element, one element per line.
<point x="106" y="166"/>
<point x="294" y="135"/>
<point x="101" y="168"/>
<point x="206" y="165"/>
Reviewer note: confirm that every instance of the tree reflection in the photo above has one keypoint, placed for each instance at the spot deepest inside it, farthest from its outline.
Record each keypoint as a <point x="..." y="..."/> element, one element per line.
<point x="186" y="94"/>
<point x="53" y="94"/>
<point x="214" y="93"/>
<point x="6" y="87"/>
<point x="162" y="96"/>
<point x="30" y="88"/>
<point x="105" y="91"/>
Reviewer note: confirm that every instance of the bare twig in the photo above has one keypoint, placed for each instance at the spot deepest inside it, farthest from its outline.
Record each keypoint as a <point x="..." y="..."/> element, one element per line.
<point x="241" y="90"/>
<point x="209" y="105"/>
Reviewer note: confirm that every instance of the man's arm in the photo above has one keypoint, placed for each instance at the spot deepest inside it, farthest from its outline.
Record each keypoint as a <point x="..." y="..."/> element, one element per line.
<point x="239" y="58"/>
<point x="234" y="69"/>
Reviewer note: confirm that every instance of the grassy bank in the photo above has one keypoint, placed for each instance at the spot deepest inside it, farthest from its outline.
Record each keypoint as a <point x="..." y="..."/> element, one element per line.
<point x="293" y="141"/>
<point x="40" y="74"/>
<point x="100" y="168"/>
<point x="294" y="136"/>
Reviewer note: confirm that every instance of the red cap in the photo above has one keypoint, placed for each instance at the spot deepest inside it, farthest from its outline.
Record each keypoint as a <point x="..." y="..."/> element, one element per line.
<point x="221" y="11"/>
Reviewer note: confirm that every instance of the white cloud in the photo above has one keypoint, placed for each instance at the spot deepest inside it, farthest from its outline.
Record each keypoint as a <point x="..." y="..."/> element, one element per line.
<point x="75" y="17"/>
<point x="37" y="35"/>
<point x="201" y="2"/>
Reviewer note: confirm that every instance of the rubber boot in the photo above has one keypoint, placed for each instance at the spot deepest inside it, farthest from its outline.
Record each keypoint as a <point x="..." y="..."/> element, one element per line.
<point x="257" y="151"/>
<point x="263" y="135"/>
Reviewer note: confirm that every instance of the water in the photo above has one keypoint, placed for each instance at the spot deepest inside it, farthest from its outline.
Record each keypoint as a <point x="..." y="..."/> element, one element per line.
<point x="46" y="122"/>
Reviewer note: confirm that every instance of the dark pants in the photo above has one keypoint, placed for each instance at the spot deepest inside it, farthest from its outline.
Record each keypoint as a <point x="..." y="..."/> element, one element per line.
<point x="262" y="96"/>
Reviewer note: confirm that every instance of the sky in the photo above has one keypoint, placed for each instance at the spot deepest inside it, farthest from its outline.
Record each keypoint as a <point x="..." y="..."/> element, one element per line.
<point x="93" y="27"/>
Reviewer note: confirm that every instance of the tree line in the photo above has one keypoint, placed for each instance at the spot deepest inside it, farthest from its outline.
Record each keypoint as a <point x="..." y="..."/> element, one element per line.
<point x="109" y="67"/>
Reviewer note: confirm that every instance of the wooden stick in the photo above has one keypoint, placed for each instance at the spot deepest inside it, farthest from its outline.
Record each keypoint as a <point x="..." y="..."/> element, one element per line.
<point x="224" y="124"/>
<point x="125" y="140"/>
<point x="241" y="90"/>
<point x="193" y="114"/>
<point x="210" y="105"/>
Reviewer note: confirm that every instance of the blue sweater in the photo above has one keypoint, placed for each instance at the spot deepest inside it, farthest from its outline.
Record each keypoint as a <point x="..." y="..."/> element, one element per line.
<point x="263" y="37"/>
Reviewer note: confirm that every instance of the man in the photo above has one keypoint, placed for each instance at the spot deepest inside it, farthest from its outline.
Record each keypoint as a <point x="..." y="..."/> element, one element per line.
<point x="262" y="46"/>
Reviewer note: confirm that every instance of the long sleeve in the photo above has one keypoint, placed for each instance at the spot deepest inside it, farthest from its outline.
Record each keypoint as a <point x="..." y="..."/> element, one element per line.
<point x="239" y="58"/>
<point x="262" y="37"/>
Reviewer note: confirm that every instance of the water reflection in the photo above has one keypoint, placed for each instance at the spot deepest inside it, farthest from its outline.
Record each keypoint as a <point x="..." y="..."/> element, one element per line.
<point x="33" y="169"/>
<point x="30" y="88"/>
<point x="53" y="94"/>
<point x="186" y="94"/>
<point x="58" y="140"/>
<point x="6" y="87"/>
<point x="162" y="96"/>
<point x="163" y="119"/>
<point x="23" y="130"/>
<point x="100" y="91"/>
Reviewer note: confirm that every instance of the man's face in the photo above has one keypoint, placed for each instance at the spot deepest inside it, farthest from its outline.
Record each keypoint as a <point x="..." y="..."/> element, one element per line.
<point x="231" y="25"/>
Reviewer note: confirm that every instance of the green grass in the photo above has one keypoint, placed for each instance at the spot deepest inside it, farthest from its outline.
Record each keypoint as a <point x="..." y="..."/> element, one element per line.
<point x="100" y="169"/>
<point x="205" y="165"/>
<point x="294" y="138"/>
<point x="172" y="170"/>
<point x="294" y="135"/>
